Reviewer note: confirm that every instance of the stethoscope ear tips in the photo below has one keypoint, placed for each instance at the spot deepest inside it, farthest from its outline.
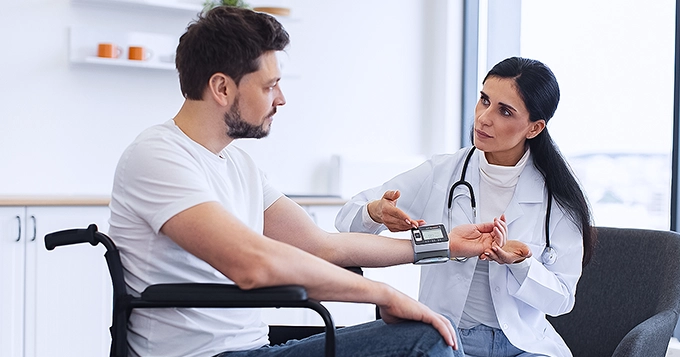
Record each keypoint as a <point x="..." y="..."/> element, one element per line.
<point x="549" y="256"/>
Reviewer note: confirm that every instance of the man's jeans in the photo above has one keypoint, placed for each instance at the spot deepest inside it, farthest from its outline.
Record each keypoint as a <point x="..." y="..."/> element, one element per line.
<point x="372" y="339"/>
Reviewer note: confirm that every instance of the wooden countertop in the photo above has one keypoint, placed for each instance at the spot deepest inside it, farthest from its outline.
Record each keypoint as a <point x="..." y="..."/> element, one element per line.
<point x="77" y="200"/>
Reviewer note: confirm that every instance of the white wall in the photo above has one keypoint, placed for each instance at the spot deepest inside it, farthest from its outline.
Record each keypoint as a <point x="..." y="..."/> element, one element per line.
<point x="365" y="78"/>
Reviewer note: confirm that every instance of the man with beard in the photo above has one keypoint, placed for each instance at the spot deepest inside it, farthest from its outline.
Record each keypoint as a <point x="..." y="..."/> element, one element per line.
<point x="187" y="206"/>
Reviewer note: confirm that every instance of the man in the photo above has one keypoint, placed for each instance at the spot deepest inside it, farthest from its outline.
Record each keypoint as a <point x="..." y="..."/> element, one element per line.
<point x="188" y="207"/>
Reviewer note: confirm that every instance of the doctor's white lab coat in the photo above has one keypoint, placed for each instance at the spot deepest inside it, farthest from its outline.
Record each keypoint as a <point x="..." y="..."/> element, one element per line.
<point x="520" y="306"/>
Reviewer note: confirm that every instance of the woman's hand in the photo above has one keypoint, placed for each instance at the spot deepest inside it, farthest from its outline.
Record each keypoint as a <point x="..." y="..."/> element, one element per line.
<point x="512" y="252"/>
<point x="470" y="240"/>
<point x="385" y="211"/>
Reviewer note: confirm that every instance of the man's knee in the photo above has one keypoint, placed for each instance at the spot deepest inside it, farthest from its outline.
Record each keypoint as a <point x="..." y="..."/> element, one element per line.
<point x="424" y="340"/>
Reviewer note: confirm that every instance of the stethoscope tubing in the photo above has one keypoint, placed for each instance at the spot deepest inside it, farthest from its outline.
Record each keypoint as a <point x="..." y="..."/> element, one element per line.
<point x="462" y="181"/>
<point x="548" y="256"/>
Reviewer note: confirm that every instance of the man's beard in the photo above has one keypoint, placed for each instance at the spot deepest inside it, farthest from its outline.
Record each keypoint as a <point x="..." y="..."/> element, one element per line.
<point x="237" y="128"/>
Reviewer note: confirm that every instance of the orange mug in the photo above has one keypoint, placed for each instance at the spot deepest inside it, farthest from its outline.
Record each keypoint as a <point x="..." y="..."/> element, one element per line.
<point x="109" y="50"/>
<point x="138" y="53"/>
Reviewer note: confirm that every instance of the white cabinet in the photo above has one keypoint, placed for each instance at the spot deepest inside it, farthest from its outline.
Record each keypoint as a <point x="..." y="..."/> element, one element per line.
<point x="344" y="314"/>
<point x="12" y="277"/>
<point x="323" y="215"/>
<point x="405" y="277"/>
<point x="52" y="303"/>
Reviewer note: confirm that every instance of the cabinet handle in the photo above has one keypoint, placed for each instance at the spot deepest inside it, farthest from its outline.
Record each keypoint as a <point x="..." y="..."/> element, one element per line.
<point x="19" y="226"/>
<point x="35" y="229"/>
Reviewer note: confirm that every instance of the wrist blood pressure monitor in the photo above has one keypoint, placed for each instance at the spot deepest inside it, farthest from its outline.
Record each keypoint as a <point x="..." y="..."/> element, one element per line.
<point x="430" y="244"/>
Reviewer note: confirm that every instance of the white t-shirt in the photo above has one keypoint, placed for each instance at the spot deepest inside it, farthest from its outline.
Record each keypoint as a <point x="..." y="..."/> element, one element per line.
<point x="162" y="173"/>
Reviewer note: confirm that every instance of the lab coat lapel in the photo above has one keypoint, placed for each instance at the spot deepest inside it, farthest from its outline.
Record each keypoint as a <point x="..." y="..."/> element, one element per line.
<point x="529" y="190"/>
<point x="461" y="196"/>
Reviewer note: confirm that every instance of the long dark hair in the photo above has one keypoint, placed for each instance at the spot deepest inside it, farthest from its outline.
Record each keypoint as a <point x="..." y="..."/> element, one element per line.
<point x="538" y="87"/>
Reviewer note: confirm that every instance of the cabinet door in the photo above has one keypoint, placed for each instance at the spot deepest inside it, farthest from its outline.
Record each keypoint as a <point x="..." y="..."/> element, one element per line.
<point x="68" y="291"/>
<point x="323" y="216"/>
<point x="12" y="250"/>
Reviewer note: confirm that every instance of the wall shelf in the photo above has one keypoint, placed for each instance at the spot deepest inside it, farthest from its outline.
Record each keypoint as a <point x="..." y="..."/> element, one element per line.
<point x="83" y="42"/>
<point x="122" y="62"/>
<point x="193" y="6"/>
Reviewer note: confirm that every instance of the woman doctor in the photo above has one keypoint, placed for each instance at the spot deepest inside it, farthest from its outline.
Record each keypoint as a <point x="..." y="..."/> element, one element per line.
<point x="514" y="171"/>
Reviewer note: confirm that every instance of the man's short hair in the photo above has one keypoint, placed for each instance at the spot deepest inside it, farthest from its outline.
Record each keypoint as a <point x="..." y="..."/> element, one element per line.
<point x="226" y="40"/>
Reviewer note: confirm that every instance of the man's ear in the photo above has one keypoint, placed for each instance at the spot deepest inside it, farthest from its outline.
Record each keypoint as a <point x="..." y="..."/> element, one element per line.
<point x="221" y="88"/>
<point x="536" y="128"/>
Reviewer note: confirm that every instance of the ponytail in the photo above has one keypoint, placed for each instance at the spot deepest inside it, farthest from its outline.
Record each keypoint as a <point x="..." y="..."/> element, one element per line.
<point x="538" y="87"/>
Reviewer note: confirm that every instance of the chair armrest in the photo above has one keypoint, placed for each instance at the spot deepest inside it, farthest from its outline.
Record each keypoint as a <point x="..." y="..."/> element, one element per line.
<point x="650" y="337"/>
<point x="356" y="270"/>
<point x="223" y="295"/>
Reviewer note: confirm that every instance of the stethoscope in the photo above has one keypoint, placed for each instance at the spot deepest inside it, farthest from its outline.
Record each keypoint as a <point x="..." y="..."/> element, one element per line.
<point x="548" y="256"/>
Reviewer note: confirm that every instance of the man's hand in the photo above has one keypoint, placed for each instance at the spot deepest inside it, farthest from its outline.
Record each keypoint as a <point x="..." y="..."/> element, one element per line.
<point x="385" y="211"/>
<point x="470" y="240"/>
<point x="512" y="252"/>
<point x="399" y="307"/>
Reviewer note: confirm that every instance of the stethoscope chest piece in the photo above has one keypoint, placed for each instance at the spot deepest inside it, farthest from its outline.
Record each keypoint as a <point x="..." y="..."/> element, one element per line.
<point x="549" y="256"/>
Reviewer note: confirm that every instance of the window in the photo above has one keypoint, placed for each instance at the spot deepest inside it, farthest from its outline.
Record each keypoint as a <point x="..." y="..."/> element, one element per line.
<point x="614" y="61"/>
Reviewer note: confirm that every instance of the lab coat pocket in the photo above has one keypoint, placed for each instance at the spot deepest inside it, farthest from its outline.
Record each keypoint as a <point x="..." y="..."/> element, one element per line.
<point x="443" y="286"/>
<point x="536" y="249"/>
<point x="527" y="231"/>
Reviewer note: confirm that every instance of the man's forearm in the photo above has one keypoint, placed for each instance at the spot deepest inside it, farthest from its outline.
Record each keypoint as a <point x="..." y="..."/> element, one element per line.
<point x="368" y="250"/>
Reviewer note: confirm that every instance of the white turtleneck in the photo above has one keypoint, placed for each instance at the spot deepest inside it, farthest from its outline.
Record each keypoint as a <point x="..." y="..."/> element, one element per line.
<point x="496" y="188"/>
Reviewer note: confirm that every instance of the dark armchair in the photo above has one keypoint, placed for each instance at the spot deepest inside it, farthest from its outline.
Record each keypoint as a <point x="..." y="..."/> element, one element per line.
<point x="628" y="296"/>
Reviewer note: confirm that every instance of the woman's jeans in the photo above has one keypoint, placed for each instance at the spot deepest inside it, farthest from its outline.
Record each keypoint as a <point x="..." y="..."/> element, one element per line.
<point x="484" y="341"/>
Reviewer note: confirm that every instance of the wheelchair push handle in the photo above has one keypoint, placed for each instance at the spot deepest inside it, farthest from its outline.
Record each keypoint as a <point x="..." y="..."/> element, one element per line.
<point x="72" y="236"/>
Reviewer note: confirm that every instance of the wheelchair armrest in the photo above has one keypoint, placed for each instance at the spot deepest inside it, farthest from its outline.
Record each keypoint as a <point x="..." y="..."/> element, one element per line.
<point x="356" y="270"/>
<point x="227" y="295"/>
<point x="223" y="295"/>
<point x="206" y="295"/>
